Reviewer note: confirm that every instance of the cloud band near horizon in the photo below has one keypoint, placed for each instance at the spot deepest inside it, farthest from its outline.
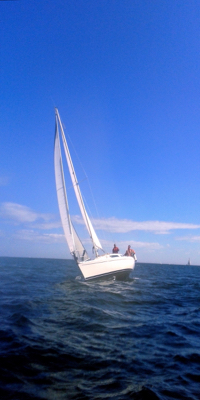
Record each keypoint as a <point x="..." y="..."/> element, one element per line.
<point x="124" y="225"/>
<point x="18" y="213"/>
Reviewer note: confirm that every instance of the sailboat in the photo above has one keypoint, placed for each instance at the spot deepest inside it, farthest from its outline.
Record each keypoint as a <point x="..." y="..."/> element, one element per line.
<point x="116" y="266"/>
<point x="189" y="262"/>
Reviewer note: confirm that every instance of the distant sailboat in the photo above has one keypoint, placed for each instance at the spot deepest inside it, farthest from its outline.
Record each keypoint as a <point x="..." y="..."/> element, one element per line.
<point x="189" y="263"/>
<point x="106" y="265"/>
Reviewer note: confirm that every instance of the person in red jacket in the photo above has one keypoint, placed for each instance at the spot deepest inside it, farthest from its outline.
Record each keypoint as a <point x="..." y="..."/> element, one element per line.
<point x="115" y="249"/>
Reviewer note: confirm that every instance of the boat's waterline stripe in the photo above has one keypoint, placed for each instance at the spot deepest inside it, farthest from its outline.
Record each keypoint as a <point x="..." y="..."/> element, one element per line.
<point x="116" y="272"/>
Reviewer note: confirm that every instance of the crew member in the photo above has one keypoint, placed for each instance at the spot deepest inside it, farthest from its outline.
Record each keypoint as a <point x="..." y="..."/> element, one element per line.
<point x="129" y="252"/>
<point x="115" y="249"/>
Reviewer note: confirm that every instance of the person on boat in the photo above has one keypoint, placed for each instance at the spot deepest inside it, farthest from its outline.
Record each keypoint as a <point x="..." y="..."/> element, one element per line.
<point x="129" y="252"/>
<point x="115" y="249"/>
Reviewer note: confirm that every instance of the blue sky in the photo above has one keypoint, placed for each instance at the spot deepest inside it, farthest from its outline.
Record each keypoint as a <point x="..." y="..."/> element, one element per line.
<point x="125" y="77"/>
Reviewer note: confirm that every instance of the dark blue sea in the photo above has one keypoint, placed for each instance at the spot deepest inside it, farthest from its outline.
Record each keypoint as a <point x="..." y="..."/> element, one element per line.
<point x="63" y="338"/>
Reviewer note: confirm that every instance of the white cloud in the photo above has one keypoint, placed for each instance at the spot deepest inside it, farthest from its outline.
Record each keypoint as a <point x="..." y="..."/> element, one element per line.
<point x="108" y="244"/>
<point x="124" y="225"/>
<point x="55" y="237"/>
<point x="135" y="244"/>
<point x="191" y="239"/>
<point x="20" y="213"/>
<point x="33" y="236"/>
<point x="47" y="225"/>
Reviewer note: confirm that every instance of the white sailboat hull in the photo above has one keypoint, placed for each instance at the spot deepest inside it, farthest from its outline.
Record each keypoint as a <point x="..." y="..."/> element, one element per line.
<point x="108" y="265"/>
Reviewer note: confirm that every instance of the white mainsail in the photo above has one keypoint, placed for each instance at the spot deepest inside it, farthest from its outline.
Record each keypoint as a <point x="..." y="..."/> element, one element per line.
<point x="93" y="236"/>
<point x="75" y="246"/>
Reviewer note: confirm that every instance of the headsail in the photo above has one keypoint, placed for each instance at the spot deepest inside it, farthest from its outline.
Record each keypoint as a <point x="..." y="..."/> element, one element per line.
<point x="94" y="238"/>
<point x="75" y="246"/>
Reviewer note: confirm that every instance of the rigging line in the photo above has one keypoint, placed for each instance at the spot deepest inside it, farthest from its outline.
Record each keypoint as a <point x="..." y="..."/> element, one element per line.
<point x="90" y="189"/>
<point x="89" y="212"/>
<point x="85" y="175"/>
<point x="74" y="150"/>
<point x="76" y="184"/>
<point x="103" y="232"/>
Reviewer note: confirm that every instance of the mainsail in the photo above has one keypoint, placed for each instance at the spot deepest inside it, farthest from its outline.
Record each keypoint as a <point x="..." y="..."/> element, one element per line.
<point x="93" y="236"/>
<point x="75" y="246"/>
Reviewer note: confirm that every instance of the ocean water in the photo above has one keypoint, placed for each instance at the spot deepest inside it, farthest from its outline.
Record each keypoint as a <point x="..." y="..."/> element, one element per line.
<point x="63" y="338"/>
